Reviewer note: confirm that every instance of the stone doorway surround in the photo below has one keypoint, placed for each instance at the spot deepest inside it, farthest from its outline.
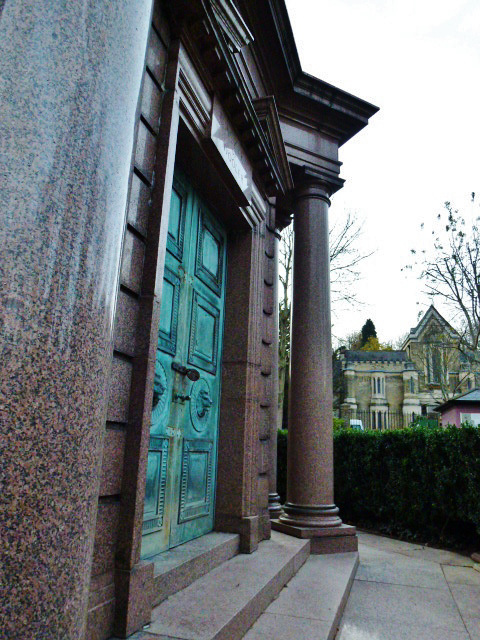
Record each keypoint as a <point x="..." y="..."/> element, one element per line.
<point x="187" y="138"/>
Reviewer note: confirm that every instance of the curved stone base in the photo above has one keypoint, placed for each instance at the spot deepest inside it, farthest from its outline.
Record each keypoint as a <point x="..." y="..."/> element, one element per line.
<point x="318" y="516"/>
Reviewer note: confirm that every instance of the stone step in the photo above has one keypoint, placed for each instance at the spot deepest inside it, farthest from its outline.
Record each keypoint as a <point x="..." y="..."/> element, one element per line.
<point x="312" y="603"/>
<point x="177" y="568"/>
<point x="223" y="604"/>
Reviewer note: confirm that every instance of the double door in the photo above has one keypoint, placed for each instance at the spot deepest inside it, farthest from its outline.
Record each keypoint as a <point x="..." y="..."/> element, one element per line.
<point x="181" y="471"/>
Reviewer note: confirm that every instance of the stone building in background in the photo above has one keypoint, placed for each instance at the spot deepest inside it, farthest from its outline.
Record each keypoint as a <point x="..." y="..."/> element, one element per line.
<point x="388" y="389"/>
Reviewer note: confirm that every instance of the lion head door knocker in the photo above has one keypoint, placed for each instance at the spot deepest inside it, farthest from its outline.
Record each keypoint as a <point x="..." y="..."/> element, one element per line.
<point x="200" y="404"/>
<point x="160" y="386"/>
<point x="204" y="402"/>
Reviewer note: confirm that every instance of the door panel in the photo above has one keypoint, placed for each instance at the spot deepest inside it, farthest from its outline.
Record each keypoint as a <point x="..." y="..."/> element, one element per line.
<point x="180" y="492"/>
<point x="196" y="481"/>
<point x="204" y="334"/>
<point x="167" y="336"/>
<point x="176" y="220"/>
<point x="156" y="484"/>
<point x="210" y="254"/>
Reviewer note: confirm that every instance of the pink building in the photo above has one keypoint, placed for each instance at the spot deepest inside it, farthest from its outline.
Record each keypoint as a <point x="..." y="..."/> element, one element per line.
<point x="461" y="410"/>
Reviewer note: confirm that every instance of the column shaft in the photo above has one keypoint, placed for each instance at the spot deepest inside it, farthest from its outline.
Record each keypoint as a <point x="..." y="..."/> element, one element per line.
<point x="310" y="443"/>
<point x="310" y="511"/>
<point x="274" y="506"/>
<point x="71" y="75"/>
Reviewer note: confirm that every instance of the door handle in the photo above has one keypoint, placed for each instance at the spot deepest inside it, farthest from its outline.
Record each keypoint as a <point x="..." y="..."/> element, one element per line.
<point x="192" y="374"/>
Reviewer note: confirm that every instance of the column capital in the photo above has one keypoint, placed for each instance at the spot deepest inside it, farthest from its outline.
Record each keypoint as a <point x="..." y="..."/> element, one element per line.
<point x="315" y="184"/>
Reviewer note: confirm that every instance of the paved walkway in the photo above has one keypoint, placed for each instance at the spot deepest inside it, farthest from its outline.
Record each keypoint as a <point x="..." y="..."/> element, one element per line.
<point x="405" y="591"/>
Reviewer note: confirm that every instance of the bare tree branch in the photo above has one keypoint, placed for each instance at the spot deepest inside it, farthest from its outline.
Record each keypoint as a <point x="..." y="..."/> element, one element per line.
<point x="345" y="256"/>
<point x="450" y="270"/>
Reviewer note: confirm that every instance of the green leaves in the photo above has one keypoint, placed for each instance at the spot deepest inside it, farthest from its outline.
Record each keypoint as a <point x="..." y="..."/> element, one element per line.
<point x="420" y="483"/>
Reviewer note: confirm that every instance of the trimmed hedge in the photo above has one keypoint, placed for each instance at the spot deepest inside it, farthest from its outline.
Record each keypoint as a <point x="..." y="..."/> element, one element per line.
<point x="418" y="483"/>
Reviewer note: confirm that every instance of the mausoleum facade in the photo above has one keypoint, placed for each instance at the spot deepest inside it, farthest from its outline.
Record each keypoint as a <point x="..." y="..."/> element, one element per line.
<point x="152" y="152"/>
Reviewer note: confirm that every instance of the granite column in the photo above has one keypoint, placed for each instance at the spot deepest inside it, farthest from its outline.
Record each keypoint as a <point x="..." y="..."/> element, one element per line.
<point x="71" y="76"/>
<point x="310" y="510"/>
<point x="274" y="506"/>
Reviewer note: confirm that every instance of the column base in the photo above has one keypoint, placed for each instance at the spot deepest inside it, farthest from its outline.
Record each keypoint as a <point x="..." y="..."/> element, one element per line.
<point x="274" y="506"/>
<point x="339" y="539"/>
<point x="316" y="516"/>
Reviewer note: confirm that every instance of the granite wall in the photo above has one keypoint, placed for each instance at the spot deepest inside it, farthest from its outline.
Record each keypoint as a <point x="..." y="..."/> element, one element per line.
<point x="71" y="76"/>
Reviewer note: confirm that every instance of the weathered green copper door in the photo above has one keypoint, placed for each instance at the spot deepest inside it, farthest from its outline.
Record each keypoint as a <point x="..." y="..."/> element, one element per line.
<point x="181" y="471"/>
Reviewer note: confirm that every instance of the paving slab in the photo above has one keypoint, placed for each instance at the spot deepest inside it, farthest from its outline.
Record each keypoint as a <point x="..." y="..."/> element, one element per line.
<point x="404" y="591"/>
<point x="413" y="550"/>
<point x="473" y="627"/>
<point x="392" y="568"/>
<point x="398" y="603"/>
<point x="461" y="575"/>
<point x="387" y="544"/>
<point x="467" y="598"/>
<point x="385" y="630"/>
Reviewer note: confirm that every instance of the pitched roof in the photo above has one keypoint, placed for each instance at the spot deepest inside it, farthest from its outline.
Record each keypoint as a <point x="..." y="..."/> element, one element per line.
<point x="429" y="315"/>
<point x="375" y="356"/>
<point x="472" y="396"/>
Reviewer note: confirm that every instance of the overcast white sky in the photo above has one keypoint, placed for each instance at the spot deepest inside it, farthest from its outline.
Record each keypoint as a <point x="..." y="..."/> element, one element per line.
<point x="419" y="61"/>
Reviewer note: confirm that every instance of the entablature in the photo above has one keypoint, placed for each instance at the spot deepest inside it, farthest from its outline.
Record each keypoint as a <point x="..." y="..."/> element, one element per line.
<point x="210" y="34"/>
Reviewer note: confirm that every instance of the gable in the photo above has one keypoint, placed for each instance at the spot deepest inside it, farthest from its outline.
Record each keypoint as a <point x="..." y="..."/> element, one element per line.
<point x="432" y="323"/>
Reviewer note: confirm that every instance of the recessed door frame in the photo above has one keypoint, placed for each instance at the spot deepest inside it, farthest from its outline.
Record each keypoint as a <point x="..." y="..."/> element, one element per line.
<point x="237" y="471"/>
<point x="180" y="501"/>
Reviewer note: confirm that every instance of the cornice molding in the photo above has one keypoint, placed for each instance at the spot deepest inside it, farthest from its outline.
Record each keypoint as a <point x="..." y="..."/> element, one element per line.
<point x="266" y="110"/>
<point x="344" y="113"/>
<point x="286" y="38"/>
<point x="195" y="102"/>
<point x="203" y="30"/>
<point x="232" y="23"/>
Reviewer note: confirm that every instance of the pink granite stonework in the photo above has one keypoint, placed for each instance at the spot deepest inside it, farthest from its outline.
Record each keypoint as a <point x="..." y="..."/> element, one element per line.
<point x="71" y="77"/>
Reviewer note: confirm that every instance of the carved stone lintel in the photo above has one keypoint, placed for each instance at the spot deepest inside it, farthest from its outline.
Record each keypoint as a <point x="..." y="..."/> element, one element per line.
<point x="227" y="152"/>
